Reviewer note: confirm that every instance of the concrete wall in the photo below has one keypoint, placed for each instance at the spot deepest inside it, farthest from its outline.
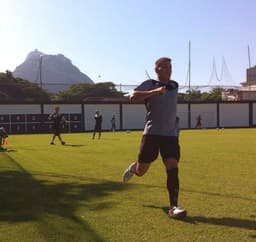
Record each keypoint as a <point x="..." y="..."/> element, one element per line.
<point x="208" y="113"/>
<point x="20" y="109"/>
<point x="234" y="114"/>
<point x="182" y="113"/>
<point x="64" y="108"/>
<point x="254" y="113"/>
<point x="106" y="110"/>
<point x="132" y="116"/>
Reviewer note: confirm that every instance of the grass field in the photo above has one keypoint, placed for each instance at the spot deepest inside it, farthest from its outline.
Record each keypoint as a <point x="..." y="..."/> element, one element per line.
<point x="75" y="192"/>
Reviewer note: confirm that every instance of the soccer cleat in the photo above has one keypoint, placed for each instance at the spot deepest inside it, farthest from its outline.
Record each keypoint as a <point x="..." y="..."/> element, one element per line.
<point x="63" y="142"/>
<point x="51" y="143"/>
<point x="129" y="172"/>
<point x="176" y="212"/>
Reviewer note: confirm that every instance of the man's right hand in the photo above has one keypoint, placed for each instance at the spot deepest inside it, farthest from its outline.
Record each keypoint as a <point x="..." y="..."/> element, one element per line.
<point x="139" y="96"/>
<point x="160" y="90"/>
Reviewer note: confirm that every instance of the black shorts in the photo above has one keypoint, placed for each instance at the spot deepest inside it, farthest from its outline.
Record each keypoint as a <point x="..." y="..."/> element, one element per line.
<point x="97" y="128"/>
<point x="152" y="144"/>
<point x="56" y="130"/>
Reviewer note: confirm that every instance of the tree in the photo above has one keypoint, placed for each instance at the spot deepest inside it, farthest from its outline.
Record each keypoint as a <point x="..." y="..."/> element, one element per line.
<point x="9" y="74"/>
<point x="215" y="94"/>
<point x="193" y="95"/>
<point x="79" y="92"/>
<point x="17" y="89"/>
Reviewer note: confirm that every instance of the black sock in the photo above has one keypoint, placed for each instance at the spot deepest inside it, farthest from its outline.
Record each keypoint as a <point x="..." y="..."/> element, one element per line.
<point x="173" y="186"/>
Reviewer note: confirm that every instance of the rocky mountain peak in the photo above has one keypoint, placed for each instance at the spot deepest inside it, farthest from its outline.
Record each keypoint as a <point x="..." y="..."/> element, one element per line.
<point x="53" y="72"/>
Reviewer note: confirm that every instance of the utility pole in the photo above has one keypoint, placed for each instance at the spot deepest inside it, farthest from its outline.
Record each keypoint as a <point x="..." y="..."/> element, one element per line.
<point x="249" y="56"/>
<point x="189" y="67"/>
<point x="40" y="71"/>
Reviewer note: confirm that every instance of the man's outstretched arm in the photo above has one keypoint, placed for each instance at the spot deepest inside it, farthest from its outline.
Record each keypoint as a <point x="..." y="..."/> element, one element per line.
<point x="140" y="96"/>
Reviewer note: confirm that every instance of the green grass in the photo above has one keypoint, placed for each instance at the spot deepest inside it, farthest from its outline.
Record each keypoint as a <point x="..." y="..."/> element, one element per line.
<point x="75" y="193"/>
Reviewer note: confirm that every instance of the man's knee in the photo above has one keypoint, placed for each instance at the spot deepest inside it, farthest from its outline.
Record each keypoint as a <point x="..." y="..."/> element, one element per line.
<point x="171" y="163"/>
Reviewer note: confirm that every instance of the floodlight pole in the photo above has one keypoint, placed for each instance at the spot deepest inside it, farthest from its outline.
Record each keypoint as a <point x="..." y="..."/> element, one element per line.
<point x="249" y="56"/>
<point x="148" y="76"/>
<point x="40" y="71"/>
<point x="189" y="67"/>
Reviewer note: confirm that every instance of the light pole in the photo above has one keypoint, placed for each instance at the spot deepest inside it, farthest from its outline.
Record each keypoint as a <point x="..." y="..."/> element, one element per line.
<point x="40" y="71"/>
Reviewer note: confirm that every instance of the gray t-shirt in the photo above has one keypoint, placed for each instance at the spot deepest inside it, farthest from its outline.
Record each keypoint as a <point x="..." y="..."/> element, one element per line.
<point x="161" y="109"/>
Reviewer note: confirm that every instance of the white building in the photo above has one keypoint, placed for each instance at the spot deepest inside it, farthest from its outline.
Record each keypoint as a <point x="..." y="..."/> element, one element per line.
<point x="248" y="89"/>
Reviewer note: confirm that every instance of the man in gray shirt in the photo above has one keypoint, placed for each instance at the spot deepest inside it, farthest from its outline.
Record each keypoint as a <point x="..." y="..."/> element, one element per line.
<point x="160" y="132"/>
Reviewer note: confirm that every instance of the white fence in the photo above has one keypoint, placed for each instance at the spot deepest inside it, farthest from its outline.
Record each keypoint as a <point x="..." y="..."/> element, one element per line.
<point x="18" y="118"/>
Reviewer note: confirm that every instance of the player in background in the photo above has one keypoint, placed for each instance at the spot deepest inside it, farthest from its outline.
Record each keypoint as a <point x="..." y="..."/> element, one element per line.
<point x="160" y="132"/>
<point x="58" y="120"/>
<point x="98" y="122"/>
<point x="3" y="137"/>
<point x="113" y="123"/>
<point x="198" y="122"/>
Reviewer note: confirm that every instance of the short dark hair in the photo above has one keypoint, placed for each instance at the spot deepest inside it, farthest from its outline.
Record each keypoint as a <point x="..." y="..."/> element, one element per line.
<point x="161" y="60"/>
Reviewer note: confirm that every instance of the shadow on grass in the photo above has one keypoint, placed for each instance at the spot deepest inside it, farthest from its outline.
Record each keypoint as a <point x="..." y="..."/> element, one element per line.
<point x="73" y="145"/>
<point x="11" y="150"/>
<point x="214" y="194"/>
<point x="66" y="176"/>
<point x="218" y="194"/>
<point x="110" y="138"/>
<point x="23" y="198"/>
<point x="253" y="236"/>
<point x="225" y="221"/>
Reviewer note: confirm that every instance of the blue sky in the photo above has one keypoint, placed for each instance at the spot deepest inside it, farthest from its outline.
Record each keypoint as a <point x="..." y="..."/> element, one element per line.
<point x="120" y="39"/>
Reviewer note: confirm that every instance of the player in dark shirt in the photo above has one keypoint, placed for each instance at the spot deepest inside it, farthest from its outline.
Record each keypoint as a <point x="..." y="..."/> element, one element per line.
<point x="58" y="120"/>
<point x="160" y="132"/>
<point x="3" y="136"/>
<point x="198" y="122"/>
<point x="113" y="123"/>
<point x="98" y="121"/>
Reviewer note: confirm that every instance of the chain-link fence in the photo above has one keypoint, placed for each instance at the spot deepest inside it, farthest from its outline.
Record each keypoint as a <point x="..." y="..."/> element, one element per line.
<point x="193" y="92"/>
